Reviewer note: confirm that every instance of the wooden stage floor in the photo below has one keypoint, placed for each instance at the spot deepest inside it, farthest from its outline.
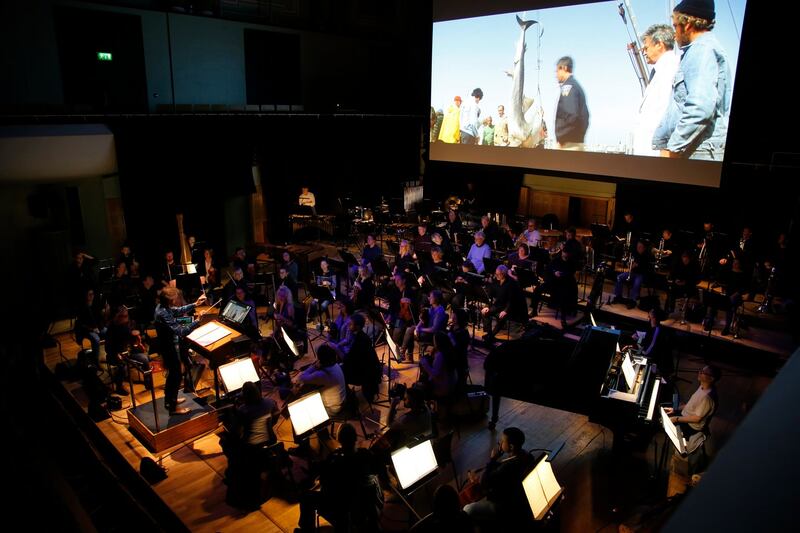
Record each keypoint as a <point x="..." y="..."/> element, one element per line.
<point x="595" y="482"/>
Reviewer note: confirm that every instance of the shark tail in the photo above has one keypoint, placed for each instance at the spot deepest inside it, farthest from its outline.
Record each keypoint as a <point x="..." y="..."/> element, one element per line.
<point x="525" y="24"/>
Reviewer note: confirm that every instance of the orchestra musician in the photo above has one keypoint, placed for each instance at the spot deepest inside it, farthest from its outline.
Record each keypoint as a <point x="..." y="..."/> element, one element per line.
<point x="710" y="250"/>
<point x="90" y="322"/>
<point x="491" y="231"/>
<point x="438" y="371"/>
<point x="683" y="278"/>
<point x="307" y="198"/>
<point x="459" y="336"/>
<point x="249" y="326"/>
<point x="122" y="343"/>
<point x="170" y="335"/>
<point x="360" y="364"/>
<point x="574" y="247"/>
<point x="453" y="225"/>
<point x="363" y="289"/>
<point x="531" y="235"/>
<point x="285" y="280"/>
<point x="234" y="280"/>
<point x="431" y="320"/>
<point x="462" y="285"/>
<point x="402" y="311"/>
<point x="327" y="279"/>
<point x="508" y="304"/>
<point x="422" y="242"/>
<point x="127" y="256"/>
<point x="372" y="251"/>
<point x="737" y="283"/>
<point x="560" y="284"/>
<point x="743" y="250"/>
<point x="440" y="240"/>
<point x="290" y="265"/>
<point x="207" y="268"/>
<point x="479" y="251"/>
<point x="521" y="259"/>
<point x="170" y="271"/>
<point x="639" y="266"/>
<point x="147" y="296"/>
<point x="404" y="261"/>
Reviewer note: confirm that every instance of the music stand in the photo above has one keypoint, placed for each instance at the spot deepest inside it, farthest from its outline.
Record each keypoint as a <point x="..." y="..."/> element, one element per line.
<point x="541" y="488"/>
<point x="490" y="264"/>
<point x="350" y="260"/>
<point x="393" y="352"/>
<point x="380" y="268"/>
<point x="308" y="415"/>
<point x="320" y="294"/>
<point x="235" y="374"/>
<point x="414" y="465"/>
<point x="476" y="293"/>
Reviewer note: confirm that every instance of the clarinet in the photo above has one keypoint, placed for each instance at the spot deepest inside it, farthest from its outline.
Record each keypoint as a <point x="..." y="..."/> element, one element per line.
<point x="766" y="305"/>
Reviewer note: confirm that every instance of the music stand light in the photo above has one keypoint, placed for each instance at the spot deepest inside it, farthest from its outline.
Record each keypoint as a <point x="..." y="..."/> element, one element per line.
<point x="541" y="488"/>
<point x="308" y="414"/>
<point x="236" y="373"/>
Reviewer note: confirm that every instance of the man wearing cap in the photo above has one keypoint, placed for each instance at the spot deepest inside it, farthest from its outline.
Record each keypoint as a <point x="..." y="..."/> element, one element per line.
<point x="449" y="132"/>
<point x="696" y="122"/>
<point x="471" y="118"/>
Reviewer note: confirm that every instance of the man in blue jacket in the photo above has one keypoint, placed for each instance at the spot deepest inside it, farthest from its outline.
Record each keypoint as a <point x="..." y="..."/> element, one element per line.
<point x="572" y="115"/>
<point x="696" y="122"/>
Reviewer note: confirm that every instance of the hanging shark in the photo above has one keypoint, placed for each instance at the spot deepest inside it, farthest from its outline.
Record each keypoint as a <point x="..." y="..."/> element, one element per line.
<point x="527" y="117"/>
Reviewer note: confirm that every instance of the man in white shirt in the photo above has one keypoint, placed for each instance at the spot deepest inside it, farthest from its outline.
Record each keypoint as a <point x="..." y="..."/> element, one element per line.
<point x="658" y="43"/>
<point x="694" y="414"/>
<point x="532" y="235"/>
<point x="307" y="198"/>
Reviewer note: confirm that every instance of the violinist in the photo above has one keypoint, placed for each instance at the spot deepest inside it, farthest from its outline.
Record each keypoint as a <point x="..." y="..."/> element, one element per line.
<point x="431" y="320"/>
<point x="402" y="311"/>
<point x="122" y="343"/>
<point x="284" y="310"/>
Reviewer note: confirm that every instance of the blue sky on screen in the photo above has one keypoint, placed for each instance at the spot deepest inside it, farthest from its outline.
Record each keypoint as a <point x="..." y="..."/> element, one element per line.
<point x="476" y="52"/>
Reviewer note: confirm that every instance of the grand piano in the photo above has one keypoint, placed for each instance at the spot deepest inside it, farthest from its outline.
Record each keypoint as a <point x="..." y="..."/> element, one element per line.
<point x="590" y="377"/>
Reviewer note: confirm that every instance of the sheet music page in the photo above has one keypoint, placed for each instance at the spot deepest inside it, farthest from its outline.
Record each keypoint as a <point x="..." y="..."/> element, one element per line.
<point x="208" y="334"/>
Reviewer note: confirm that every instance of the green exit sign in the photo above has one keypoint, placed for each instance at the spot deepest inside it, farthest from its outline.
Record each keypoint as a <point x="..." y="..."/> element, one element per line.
<point x="104" y="56"/>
